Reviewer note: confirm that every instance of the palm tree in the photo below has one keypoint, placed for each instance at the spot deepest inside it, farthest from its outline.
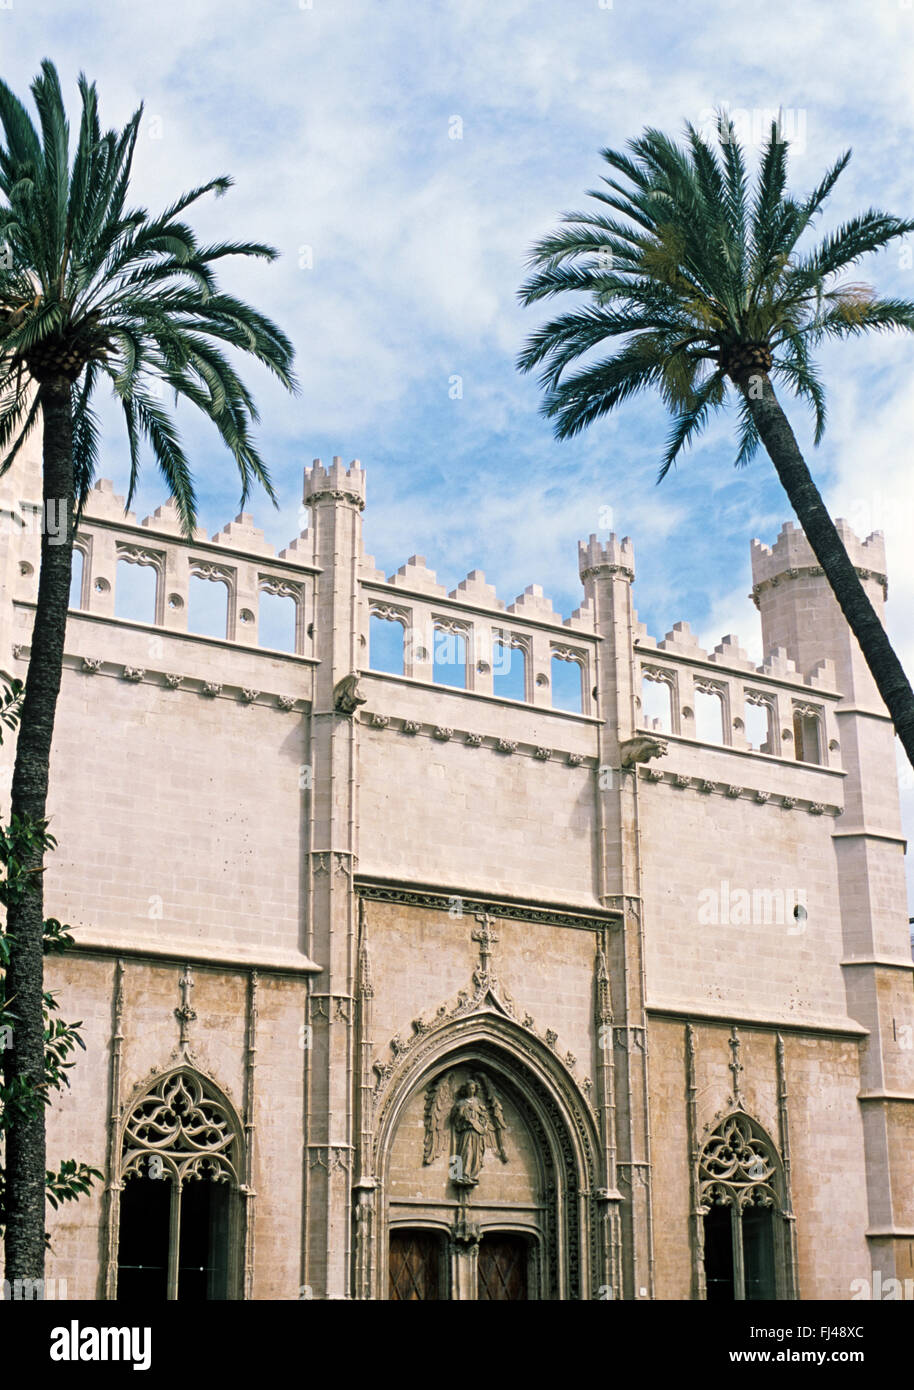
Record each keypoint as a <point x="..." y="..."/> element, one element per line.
<point x="92" y="289"/>
<point x="703" y="279"/>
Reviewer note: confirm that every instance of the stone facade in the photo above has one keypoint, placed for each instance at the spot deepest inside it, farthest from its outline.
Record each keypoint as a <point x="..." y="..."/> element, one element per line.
<point x="459" y="995"/>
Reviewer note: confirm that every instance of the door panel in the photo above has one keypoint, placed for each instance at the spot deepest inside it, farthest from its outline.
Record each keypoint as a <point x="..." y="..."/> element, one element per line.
<point x="502" y="1268"/>
<point x="415" y="1266"/>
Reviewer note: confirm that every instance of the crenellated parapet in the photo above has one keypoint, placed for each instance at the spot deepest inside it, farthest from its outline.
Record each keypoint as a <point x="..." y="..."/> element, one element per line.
<point x="111" y="539"/>
<point x="612" y="558"/>
<point x="791" y="557"/>
<point x="797" y="711"/>
<point x="338" y="483"/>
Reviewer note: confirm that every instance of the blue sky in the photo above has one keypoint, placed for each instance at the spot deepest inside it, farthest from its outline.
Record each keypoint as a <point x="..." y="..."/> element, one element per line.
<point x="336" y="120"/>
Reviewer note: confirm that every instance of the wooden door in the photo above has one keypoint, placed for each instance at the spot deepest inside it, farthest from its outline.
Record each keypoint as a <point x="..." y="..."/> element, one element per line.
<point x="415" y="1266"/>
<point x="502" y="1271"/>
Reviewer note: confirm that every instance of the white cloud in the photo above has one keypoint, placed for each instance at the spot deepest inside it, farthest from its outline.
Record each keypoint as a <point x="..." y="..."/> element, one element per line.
<point x="334" y="121"/>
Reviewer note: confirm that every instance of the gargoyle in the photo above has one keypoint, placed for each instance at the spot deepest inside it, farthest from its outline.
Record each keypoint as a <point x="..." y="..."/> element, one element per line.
<point x="347" y="696"/>
<point x="641" y="749"/>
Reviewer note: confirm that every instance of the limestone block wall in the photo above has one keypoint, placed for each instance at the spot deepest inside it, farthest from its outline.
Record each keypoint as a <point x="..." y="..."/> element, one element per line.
<point x="268" y="1096"/>
<point x="422" y="957"/>
<point x="722" y="876"/>
<point x="817" y="1112"/>
<point x="470" y="817"/>
<point x="462" y="788"/>
<point x="78" y="1120"/>
<point x="163" y="837"/>
<point x="189" y="750"/>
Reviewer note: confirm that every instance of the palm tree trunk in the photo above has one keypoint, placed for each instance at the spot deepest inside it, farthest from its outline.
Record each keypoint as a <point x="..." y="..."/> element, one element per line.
<point x="828" y="548"/>
<point x="25" y="1139"/>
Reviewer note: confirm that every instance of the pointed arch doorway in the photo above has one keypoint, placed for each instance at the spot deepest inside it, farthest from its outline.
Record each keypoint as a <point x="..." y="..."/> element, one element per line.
<point x="485" y="1177"/>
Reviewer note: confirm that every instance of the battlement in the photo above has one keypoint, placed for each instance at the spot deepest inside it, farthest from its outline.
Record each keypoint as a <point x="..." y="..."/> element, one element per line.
<point x="792" y="552"/>
<point x="611" y="557"/>
<point x="339" y="482"/>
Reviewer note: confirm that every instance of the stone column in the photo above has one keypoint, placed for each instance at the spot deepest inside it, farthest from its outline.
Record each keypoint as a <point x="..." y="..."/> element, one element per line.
<point x="336" y="497"/>
<point x="607" y="570"/>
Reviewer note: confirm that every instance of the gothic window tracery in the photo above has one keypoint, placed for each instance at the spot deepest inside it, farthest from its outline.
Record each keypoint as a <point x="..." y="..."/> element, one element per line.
<point x="739" y="1190"/>
<point x="181" y="1155"/>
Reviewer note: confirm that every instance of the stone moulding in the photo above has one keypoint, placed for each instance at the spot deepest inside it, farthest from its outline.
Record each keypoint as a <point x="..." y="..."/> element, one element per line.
<point x="173" y="680"/>
<point x="811" y="571"/>
<point x="373" y="890"/>
<point x="442" y="733"/>
<point x="731" y="791"/>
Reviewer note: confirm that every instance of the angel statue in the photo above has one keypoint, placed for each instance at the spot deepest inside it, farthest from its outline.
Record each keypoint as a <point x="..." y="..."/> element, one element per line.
<point x="477" y="1120"/>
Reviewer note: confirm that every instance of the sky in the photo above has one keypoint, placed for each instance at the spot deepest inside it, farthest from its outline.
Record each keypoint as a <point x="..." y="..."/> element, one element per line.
<point x="403" y="158"/>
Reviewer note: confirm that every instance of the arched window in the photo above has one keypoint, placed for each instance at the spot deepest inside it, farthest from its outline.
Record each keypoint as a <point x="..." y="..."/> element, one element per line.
<point x="709" y="713"/>
<point x="657" y="701"/>
<point x="278" y="614"/>
<point x="387" y="640"/>
<point x="208" y="595"/>
<point x="450" y="655"/>
<point x="136" y="590"/>
<point x="509" y="668"/>
<point x="179" y="1211"/>
<point x="76" y="578"/>
<point x="740" y="1193"/>
<point x="567" y="681"/>
<point x="760" y="722"/>
<point x="807" y="740"/>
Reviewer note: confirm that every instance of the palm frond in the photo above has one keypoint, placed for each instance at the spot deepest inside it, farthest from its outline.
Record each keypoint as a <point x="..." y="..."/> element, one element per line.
<point x="132" y="296"/>
<point x="690" y="267"/>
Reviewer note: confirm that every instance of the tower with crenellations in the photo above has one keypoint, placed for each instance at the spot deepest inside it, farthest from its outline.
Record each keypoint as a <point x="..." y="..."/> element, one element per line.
<point x="800" y="614"/>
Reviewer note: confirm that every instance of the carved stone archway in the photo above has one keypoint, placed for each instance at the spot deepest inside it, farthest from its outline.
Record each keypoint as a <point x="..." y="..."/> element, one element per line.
<point x="522" y="1097"/>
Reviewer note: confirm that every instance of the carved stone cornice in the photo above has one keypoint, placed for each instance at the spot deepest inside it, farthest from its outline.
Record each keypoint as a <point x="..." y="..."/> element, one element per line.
<point x="337" y="495"/>
<point x="173" y="680"/>
<point x="472" y="739"/>
<point x="730" y="790"/>
<point x="609" y="571"/>
<point x="437" y="901"/>
<point x="814" y="571"/>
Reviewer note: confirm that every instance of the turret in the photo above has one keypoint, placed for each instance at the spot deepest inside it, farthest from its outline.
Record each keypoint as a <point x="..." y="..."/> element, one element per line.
<point x="801" y="615"/>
